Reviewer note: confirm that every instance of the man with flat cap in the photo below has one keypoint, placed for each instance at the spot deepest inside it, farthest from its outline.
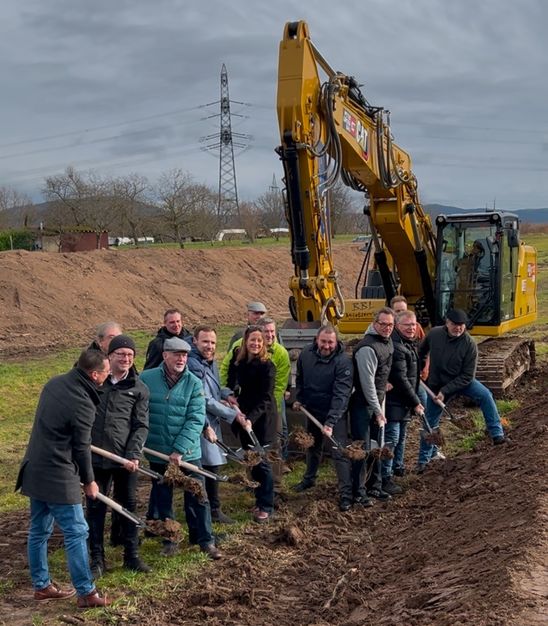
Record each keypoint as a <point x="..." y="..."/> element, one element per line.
<point x="453" y="360"/>
<point x="255" y="310"/>
<point x="177" y="418"/>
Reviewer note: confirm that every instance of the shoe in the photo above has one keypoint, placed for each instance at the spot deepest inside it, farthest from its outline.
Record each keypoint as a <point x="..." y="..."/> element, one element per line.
<point x="363" y="501"/>
<point x="345" y="505"/>
<point x="390" y="487"/>
<point x="261" y="516"/>
<point x="136" y="565"/>
<point x="420" y="468"/>
<point x="399" y="471"/>
<point x="53" y="592"/>
<point x="497" y="441"/>
<point x="212" y="551"/>
<point x="379" y="494"/>
<point x="303" y="486"/>
<point x="218" y="516"/>
<point x="439" y="456"/>
<point x="97" y="567"/>
<point x="92" y="600"/>
<point x="170" y="549"/>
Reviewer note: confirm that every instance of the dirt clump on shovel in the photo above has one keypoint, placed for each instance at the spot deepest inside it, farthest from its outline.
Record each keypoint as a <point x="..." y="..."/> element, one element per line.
<point x="169" y="529"/>
<point x="355" y="451"/>
<point x="174" y="476"/>
<point x="251" y="458"/>
<point x="241" y="479"/>
<point x="382" y="453"/>
<point x="301" y="438"/>
<point x="434" y="438"/>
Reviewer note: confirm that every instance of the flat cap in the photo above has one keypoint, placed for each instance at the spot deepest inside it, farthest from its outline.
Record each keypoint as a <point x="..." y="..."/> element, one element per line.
<point x="174" y="344"/>
<point x="256" y="307"/>
<point x="457" y="316"/>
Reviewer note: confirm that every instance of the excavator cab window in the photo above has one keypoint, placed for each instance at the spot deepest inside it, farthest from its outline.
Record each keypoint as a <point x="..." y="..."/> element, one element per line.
<point x="469" y="272"/>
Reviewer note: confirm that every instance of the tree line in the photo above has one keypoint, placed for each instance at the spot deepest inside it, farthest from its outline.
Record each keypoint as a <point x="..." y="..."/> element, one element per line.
<point x="174" y="209"/>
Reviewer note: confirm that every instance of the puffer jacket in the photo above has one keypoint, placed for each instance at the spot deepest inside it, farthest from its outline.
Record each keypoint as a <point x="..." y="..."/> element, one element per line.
<point x="121" y="422"/>
<point x="404" y="377"/>
<point x="177" y="414"/>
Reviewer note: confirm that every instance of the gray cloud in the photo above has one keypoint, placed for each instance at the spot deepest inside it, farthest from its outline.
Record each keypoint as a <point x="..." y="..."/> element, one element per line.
<point x="465" y="83"/>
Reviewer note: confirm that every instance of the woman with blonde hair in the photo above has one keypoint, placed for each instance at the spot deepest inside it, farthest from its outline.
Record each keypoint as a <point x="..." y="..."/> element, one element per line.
<point x="251" y="374"/>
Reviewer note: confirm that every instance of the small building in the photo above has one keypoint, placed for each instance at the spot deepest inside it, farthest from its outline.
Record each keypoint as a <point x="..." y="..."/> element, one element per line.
<point x="83" y="240"/>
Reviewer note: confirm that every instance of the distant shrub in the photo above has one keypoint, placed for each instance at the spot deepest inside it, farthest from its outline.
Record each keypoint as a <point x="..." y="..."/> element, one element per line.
<point x="16" y="240"/>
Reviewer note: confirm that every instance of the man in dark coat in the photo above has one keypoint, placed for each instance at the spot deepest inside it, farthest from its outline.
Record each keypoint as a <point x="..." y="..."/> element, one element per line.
<point x="173" y="327"/>
<point x="121" y="427"/>
<point x="323" y="386"/>
<point x="402" y="398"/>
<point x="57" y="460"/>
<point x="453" y="360"/>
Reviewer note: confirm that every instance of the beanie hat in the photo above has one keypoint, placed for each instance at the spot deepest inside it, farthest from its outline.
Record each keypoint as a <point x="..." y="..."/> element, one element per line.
<point x="121" y="341"/>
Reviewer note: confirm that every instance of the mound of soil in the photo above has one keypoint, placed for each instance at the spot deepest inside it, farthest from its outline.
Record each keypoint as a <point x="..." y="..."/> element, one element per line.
<point x="51" y="300"/>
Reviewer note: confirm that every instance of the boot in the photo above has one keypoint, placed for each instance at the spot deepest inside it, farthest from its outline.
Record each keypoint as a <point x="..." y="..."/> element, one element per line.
<point x="218" y="516"/>
<point x="390" y="487"/>
<point x="97" y="566"/>
<point x="135" y="564"/>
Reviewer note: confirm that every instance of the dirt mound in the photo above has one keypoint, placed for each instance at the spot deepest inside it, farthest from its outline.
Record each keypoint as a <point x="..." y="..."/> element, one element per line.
<point x="51" y="300"/>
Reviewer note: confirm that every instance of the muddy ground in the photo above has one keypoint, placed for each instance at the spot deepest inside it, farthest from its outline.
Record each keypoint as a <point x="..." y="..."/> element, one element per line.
<point x="465" y="545"/>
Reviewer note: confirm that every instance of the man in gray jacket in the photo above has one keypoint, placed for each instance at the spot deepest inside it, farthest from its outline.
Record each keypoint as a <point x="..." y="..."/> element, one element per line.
<point x="372" y="362"/>
<point x="453" y="360"/>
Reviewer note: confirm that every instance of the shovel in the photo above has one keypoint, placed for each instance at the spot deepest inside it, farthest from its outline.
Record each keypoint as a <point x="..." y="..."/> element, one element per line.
<point x="235" y="455"/>
<point x="441" y="404"/>
<point x="120" y="509"/>
<point x="431" y="436"/>
<point x="316" y="422"/>
<point x="188" y="466"/>
<point x="120" y="459"/>
<point x="256" y="443"/>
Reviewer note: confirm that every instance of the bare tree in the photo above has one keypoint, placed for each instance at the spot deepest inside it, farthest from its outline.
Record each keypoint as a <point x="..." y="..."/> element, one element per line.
<point x="343" y="206"/>
<point x="181" y="202"/>
<point x="271" y="208"/>
<point x="250" y="219"/>
<point x="16" y="209"/>
<point x="79" y="199"/>
<point x="129" y="196"/>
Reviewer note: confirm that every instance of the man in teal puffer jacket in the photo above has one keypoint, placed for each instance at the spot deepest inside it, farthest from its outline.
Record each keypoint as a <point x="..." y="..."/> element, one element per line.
<point x="177" y="417"/>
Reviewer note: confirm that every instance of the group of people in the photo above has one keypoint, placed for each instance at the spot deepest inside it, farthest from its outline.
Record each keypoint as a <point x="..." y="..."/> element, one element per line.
<point x="175" y="408"/>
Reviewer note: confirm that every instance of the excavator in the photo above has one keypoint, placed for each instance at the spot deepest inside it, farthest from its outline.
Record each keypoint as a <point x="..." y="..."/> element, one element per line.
<point x="473" y="261"/>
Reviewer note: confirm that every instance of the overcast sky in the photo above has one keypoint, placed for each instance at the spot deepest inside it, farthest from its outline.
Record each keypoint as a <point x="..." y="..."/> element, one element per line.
<point x="118" y="86"/>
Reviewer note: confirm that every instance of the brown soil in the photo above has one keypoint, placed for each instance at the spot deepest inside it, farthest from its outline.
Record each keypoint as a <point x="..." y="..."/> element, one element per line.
<point x="169" y="529"/>
<point x="465" y="545"/>
<point x="301" y="438"/>
<point x="51" y="300"/>
<point x="175" y="477"/>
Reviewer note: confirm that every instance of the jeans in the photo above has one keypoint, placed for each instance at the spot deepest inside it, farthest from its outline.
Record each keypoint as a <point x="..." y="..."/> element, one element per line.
<point x="481" y="396"/>
<point x="70" y="519"/>
<point x="366" y="474"/>
<point x="285" y="432"/>
<point x="264" y="493"/>
<point x="125" y="487"/>
<point x="394" y="435"/>
<point x="198" y="514"/>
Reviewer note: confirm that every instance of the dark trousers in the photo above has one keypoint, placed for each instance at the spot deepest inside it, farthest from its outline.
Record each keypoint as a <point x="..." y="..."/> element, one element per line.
<point x="366" y="474"/>
<point x="342" y="463"/>
<point x="198" y="514"/>
<point x="125" y="487"/>
<point x="212" y="487"/>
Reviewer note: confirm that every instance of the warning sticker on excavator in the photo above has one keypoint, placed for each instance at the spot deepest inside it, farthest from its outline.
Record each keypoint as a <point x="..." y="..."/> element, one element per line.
<point x="531" y="271"/>
<point x="357" y="130"/>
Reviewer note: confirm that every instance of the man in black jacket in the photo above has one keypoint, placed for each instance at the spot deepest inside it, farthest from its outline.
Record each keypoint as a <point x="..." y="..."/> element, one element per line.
<point x="121" y="427"/>
<point x="402" y="398"/>
<point x="57" y="460"/>
<point x="173" y="327"/>
<point x="453" y="360"/>
<point x="372" y="358"/>
<point x="323" y="386"/>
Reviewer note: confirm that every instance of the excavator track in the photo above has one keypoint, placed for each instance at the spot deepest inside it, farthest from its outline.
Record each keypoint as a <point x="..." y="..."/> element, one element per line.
<point x="503" y="361"/>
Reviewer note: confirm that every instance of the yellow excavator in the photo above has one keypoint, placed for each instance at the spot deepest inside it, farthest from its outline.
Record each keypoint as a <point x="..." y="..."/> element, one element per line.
<point x="472" y="261"/>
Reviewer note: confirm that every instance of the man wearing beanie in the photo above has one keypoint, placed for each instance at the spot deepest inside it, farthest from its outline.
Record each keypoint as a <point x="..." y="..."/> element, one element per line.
<point x="121" y="427"/>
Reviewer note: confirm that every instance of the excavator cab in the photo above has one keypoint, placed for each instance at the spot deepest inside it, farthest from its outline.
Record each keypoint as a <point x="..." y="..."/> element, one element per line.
<point x="483" y="268"/>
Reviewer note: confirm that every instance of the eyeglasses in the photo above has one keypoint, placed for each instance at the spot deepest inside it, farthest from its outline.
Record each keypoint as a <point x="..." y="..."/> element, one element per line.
<point x="384" y="324"/>
<point x="123" y="355"/>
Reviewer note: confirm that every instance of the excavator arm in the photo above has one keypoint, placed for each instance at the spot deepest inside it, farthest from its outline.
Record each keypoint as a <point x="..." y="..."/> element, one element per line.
<point x="329" y="131"/>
